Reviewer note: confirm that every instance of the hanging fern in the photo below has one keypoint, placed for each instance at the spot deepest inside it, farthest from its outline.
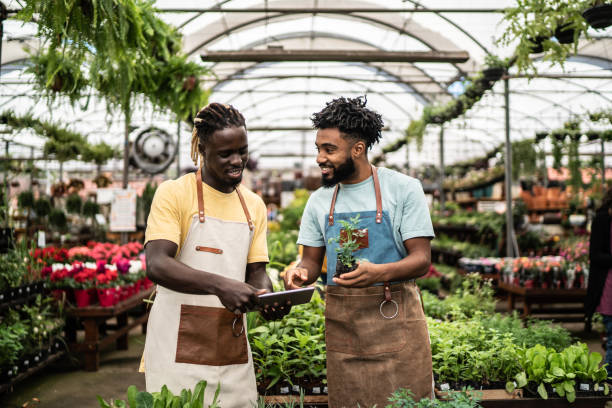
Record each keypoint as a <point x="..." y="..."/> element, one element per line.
<point x="74" y="204"/>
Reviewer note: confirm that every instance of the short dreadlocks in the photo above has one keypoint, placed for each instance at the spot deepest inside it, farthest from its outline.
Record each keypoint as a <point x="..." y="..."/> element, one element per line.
<point x="213" y="117"/>
<point x="352" y="118"/>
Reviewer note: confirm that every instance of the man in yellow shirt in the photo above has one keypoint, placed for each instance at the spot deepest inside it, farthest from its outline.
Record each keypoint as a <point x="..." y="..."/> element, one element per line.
<point x="206" y="249"/>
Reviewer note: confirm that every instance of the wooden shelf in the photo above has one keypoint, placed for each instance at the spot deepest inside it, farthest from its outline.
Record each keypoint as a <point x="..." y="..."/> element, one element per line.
<point x="32" y="370"/>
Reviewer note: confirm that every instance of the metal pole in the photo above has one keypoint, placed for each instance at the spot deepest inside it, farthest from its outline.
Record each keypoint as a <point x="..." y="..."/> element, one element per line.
<point x="6" y="185"/>
<point x="126" y="162"/>
<point x="31" y="166"/>
<point x="441" y="179"/>
<point x="603" y="164"/>
<point x="126" y="147"/>
<point x="508" y="175"/>
<point x="178" y="149"/>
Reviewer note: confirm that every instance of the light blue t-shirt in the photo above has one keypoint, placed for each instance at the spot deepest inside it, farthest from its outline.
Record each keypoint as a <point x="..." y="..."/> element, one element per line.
<point x="402" y="198"/>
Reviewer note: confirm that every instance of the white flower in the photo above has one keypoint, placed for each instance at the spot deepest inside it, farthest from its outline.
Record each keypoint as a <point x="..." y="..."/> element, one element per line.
<point x="135" y="266"/>
<point x="90" y="265"/>
<point x="111" y="267"/>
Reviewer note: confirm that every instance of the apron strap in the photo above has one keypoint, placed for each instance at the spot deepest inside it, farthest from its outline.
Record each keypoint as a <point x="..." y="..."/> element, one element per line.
<point x="200" y="194"/>
<point x="333" y="204"/>
<point x="245" y="209"/>
<point x="379" y="213"/>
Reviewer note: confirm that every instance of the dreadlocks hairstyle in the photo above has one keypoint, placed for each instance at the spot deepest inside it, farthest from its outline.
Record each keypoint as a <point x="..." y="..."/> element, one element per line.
<point x="213" y="117"/>
<point x="351" y="117"/>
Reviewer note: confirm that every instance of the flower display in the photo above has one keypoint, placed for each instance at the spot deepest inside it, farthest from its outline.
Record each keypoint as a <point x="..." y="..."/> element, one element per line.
<point x="115" y="271"/>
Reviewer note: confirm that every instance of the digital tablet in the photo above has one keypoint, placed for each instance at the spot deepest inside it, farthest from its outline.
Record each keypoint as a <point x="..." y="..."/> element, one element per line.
<point x="296" y="296"/>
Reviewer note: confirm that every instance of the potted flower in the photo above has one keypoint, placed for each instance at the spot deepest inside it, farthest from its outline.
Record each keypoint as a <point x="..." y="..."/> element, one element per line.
<point x="106" y="285"/>
<point x="347" y="244"/>
<point x="84" y="284"/>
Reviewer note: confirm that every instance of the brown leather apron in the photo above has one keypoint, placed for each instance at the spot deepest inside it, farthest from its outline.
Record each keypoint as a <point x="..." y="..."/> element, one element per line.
<point x="377" y="338"/>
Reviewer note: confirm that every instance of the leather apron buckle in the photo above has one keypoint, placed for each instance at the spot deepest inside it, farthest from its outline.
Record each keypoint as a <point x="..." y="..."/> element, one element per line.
<point x="388" y="299"/>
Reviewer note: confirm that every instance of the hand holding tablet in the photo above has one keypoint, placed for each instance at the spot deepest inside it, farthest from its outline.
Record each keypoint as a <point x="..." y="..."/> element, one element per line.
<point x="275" y="305"/>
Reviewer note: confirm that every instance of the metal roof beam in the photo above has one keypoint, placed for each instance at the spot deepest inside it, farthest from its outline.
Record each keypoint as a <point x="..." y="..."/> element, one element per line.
<point x="327" y="10"/>
<point x="280" y="55"/>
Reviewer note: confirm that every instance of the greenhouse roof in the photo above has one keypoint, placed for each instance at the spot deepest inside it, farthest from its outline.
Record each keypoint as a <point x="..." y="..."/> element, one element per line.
<point x="278" y="97"/>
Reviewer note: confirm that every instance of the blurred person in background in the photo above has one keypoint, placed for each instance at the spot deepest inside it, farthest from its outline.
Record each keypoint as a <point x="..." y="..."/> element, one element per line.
<point x="599" y="291"/>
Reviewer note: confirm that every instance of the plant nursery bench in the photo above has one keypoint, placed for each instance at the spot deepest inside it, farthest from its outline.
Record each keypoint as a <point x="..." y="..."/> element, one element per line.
<point x="530" y="296"/>
<point x="94" y="318"/>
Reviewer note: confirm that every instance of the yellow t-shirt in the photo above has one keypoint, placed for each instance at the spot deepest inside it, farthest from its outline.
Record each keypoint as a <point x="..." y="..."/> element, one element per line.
<point x="176" y="202"/>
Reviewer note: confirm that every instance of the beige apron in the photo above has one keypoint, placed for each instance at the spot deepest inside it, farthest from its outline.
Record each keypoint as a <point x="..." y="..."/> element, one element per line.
<point x="194" y="337"/>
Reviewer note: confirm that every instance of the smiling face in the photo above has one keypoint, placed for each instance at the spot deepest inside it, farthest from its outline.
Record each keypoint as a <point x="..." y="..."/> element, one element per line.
<point x="225" y="152"/>
<point x="334" y="157"/>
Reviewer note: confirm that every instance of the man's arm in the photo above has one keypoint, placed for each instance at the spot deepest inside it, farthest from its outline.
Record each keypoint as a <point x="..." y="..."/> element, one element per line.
<point x="415" y="264"/>
<point x="164" y="269"/>
<point x="308" y="269"/>
<point x="257" y="277"/>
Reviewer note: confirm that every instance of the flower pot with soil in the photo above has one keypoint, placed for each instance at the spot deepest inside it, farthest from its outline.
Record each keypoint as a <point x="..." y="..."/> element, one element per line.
<point x="348" y="243"/>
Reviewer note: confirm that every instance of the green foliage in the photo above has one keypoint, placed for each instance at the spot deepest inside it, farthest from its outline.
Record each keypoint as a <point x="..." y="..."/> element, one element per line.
<point x="90" y="209"/>
<point x="475" y="295"/>
<point x="282" y="247"/>
<point x="293" y="348"/>
<point x="57" y="72"/>
<point x="42" y="207"/>
<point x="99" y="154"/>
<point x="57" y="219"/>
<point x="25" y="200"/>
<point x="164" y="398"/>
<point x="531" y="19"/>
<point x="125" y="48"/>
<point x="541" y="365"/>
<point x="147" y="199"/>
<point x="74" y="204"/>
<point x="347" y="244"/>
<point x="404" y="398"/>
<point x="466" y="249"/>
<point x="524" y="158"/>
<point x="292" y="214"/>
<point x="432" y="284"/>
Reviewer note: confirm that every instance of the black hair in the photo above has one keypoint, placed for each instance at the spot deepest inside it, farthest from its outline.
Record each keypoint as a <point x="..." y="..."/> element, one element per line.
<point x="352" y="118"/>
<point x="213" y="117"/>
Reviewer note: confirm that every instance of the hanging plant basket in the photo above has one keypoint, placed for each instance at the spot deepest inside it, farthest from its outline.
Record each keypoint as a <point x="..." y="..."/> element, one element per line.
<point x="189" y="83"/>
<point x="538" y="44"/>
<point x="599" y="16"/>
<point x="564" y="34"/>
<point x="493" y="74"/>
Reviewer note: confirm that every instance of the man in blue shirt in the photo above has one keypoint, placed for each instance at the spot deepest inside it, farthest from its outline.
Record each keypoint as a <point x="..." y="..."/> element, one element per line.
<point x="376" y="333"/>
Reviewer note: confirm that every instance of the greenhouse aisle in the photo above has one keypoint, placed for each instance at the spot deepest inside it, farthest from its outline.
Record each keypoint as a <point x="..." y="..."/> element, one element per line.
<point x="63" y="386"/>
<point x="118" y="370"/>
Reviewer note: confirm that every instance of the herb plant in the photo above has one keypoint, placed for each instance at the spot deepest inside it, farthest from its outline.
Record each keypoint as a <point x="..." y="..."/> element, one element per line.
<point x="163" y="399"/>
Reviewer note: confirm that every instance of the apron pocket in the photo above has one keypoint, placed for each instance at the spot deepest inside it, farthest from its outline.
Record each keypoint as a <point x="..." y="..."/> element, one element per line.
<point x="205" y="337"/>
<point x="354" y="325"/>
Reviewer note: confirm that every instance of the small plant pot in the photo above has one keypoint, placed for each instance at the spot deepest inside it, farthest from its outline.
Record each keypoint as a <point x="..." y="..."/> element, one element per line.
<point x="493" y="74"/>
<point x="538" y="45"/>
<point x="341" y="268"/>
<point x="106" y="297"/>
<point x="83" y="297"/>
<point x="598" y="16"/>
<point x="564" y="35"/>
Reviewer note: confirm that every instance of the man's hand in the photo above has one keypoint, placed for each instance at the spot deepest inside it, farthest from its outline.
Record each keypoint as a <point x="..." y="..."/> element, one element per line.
<point x="294" y="278"/>
<point x="276" y="311"/>
<point x="239" y="297"/>
<point x="365" y="275"/>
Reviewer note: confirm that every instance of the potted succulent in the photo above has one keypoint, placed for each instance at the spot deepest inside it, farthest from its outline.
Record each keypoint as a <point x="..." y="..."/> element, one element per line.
<point x="347" y="244"/>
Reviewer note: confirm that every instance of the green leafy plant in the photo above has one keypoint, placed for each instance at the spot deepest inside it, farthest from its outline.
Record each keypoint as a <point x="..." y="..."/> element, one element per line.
<point x="404" y="398"/>
<point x="534" y="22"/>
<point x="57" y="218"/>
<point x="347" y="241"/>
<point x="164" y="398"/>
<point x="543" y="366"/>
<point x="74" y="204"/>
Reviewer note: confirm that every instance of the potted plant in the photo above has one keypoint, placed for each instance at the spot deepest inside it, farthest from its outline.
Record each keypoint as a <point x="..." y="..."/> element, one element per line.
<point x="347" y="244"/>
<point x="495" y="68"/>
<point x="599" y="15"/>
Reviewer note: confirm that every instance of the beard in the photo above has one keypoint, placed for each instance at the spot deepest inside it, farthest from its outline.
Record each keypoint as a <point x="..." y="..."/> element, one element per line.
<point x="342" y="172"/>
